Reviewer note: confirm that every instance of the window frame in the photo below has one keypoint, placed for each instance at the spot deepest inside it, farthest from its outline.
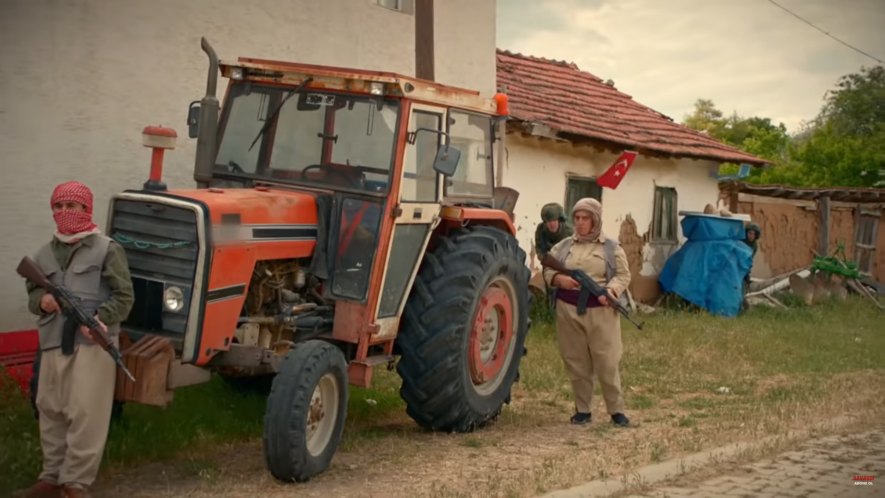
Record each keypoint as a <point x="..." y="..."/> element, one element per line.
<point x="490" y="171"/>
<point x="660" y="195"/>
<point x="441" y="117"/>
<point x="401" y="6"/>
<point x="266" y="145"/>
<point x="578" y="178"/>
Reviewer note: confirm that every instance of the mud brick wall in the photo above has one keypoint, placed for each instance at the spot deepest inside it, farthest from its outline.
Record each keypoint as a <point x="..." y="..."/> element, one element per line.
<point x="842" y="230"/>
<point x="789" y="233"/>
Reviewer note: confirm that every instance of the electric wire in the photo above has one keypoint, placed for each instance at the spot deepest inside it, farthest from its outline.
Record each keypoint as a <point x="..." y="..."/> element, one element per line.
<point x="797" y="16"/>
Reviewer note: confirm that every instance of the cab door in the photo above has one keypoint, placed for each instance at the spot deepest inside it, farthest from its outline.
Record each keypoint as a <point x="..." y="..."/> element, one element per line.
<point x="417" y="214"/>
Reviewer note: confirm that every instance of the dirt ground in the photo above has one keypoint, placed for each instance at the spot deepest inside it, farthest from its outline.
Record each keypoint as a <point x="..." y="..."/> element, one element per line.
<point x="530" y="450"/>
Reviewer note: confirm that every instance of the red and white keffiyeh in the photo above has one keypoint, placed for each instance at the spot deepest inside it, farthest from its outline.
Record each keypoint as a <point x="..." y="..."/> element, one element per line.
<point x="73" y="225"/>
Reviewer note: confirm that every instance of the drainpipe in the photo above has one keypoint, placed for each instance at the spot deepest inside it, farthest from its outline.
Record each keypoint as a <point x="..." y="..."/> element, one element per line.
<point x="208" y="130"/>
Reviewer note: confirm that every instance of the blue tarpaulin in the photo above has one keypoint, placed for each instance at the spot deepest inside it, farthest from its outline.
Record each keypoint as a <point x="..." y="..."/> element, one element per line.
<point x="709" y="269"/>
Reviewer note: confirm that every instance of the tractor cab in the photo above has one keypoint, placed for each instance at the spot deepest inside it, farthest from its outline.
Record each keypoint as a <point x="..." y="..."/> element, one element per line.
<point x="341" y="218"/>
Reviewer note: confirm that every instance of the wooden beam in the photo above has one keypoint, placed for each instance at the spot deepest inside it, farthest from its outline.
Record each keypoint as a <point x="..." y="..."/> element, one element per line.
<point x="424" y="49"/>
<point x="733" y="201"/>
<point x="824" y="209"/>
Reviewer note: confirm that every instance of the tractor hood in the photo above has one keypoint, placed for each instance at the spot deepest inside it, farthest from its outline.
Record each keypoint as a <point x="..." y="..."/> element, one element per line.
<point x="255" y="206"/>
<point x="261" y="214"/>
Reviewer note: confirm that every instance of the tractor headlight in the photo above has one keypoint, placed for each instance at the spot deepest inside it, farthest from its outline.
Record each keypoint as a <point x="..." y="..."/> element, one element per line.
<point x="173" y="298"/>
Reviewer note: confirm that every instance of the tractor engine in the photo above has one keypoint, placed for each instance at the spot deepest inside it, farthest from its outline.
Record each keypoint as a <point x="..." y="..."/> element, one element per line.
<point x="283" y="306"/>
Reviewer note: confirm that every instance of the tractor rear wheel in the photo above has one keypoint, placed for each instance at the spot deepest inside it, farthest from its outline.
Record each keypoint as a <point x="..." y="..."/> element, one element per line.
<point x="305" y="411"/>
<point x="463" y="331"/>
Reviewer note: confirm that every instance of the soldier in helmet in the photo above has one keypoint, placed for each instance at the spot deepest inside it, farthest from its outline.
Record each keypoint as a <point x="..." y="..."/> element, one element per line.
<point x="552" y="228"/>
<point x="753" y="232"/>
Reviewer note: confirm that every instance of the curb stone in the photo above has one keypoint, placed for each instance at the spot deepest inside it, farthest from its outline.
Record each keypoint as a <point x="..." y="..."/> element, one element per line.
<point x="658" y="472"/>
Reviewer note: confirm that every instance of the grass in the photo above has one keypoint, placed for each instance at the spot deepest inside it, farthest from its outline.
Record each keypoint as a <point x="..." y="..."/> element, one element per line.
<point x="690" y="380"/>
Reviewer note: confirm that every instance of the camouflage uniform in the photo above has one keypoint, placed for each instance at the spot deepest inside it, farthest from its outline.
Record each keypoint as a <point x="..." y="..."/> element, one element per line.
<point x="544" y="238"/>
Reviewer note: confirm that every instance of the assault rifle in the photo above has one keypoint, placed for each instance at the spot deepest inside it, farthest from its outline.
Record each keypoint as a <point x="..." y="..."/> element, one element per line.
<point x="72" y="309"/>
<point x="588" y="287"/>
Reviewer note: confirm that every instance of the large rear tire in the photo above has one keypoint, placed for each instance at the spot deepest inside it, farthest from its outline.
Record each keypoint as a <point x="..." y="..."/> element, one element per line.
<point x="464" y="329"/>
<point x="305" y="412"/>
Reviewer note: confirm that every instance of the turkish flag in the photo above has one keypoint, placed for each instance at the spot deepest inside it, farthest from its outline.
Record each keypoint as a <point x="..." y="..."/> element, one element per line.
<point x="616" y="172"/>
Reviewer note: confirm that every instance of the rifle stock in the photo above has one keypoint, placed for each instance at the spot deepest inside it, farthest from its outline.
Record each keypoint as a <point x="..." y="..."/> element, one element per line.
<point x="28" y="269"/>
<point x="588" y="287"/>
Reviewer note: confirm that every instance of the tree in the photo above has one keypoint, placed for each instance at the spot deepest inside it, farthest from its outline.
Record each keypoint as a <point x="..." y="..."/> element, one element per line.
<point x="857" y="106"/>
<point x="705" y="118"/>
<point x="755" y="135"/>
<point x="843" y="146"/>
<point x="828" y="158"/>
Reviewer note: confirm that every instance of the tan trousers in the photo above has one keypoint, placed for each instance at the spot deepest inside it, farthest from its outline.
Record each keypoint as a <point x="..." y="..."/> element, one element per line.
<point x="591" y="344"/>
<point x="74" y="396"/>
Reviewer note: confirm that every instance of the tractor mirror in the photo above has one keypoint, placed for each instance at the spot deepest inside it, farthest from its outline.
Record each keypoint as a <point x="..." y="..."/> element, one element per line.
<point x="446" y="161"/>
<point x="193" y="119"/>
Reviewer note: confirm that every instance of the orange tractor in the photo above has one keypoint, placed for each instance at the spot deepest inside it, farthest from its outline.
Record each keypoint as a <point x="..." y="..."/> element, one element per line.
<point x="341" y="218"/>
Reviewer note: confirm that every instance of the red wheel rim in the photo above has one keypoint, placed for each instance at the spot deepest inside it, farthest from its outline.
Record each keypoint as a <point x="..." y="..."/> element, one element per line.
<point x="490" y="336"/>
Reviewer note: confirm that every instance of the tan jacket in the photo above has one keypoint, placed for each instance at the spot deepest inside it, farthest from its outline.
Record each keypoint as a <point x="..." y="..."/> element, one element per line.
<point x="590" y="257"/>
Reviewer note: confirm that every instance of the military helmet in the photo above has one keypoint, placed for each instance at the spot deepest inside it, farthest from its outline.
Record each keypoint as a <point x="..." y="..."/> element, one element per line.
<point x="756" y="228"/>
<point x="552" y="211"/>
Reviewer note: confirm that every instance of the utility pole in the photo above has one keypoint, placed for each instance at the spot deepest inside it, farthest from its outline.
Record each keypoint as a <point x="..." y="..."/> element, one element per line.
<point x="424" y="39"/>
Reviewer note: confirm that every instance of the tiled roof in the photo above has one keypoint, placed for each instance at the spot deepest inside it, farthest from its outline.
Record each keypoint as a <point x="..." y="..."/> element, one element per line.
<point x="571" y="101"/>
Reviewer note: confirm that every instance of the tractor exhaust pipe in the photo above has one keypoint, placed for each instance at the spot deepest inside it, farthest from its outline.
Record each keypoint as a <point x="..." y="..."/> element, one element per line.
<point x="208" y="122"/>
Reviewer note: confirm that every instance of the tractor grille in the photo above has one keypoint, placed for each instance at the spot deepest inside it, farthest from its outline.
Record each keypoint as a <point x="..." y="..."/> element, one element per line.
<point x="162" y="247"/>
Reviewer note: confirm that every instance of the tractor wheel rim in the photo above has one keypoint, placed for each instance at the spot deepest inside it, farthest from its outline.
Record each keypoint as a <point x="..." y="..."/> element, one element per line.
<point x="491" y="342"/>
<point x="322" y="414"/>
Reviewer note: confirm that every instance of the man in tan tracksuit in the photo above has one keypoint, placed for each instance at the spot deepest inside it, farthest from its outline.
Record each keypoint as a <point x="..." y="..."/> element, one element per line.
<point x="75" y="387"/>
<point x="590" y="343"/>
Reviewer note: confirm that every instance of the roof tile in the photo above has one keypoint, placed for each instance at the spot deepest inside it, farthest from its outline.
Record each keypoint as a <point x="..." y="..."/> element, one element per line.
<point x="560" y="95"/>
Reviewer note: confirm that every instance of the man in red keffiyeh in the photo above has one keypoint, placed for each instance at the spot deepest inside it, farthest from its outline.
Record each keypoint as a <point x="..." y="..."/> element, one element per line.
<point x="72" y="210"/>
<point x="76" y="378"/>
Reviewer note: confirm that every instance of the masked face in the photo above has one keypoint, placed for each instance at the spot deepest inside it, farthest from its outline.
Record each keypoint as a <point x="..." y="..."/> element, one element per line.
<point x="71" y="217"/>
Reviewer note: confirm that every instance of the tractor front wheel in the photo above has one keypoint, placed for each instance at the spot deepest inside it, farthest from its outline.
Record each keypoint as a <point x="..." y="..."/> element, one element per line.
<point x="464" y="330"/>
<point x="305" y="411"/>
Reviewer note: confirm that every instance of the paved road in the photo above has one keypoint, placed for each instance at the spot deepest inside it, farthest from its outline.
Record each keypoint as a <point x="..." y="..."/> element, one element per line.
<point x="826" y="467"/>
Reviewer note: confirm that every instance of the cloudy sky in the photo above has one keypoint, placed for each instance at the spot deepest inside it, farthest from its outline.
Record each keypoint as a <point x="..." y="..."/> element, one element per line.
<point x="748" y="56"/>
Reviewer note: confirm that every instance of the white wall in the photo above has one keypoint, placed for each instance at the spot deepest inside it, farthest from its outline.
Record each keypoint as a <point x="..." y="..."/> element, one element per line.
<point x="79" y="81"/>
<point x="539" y="171"/>
<point x="464" y="38"/>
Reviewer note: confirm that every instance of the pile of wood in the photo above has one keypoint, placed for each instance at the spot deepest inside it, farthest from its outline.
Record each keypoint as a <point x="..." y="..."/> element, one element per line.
<point x="827" y="277"/>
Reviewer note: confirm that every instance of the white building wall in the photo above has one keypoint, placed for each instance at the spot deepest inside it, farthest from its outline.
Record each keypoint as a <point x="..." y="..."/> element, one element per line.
<point x="79" y="81"/>
<point x="464" y="38"/>
<point x="539" y="170"/>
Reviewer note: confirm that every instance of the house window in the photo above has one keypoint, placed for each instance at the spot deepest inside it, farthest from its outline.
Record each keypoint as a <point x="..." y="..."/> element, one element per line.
<point x="404" y="6"/>
<point x="865" y="241"/>
<point x="664" y="218"/>
<point x="578" y="188"/>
